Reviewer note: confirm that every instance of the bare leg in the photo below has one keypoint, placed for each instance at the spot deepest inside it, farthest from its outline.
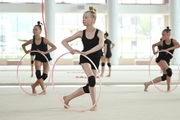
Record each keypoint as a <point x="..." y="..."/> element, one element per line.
<point x="109" y="75"/>
<point x="102" y="67"/>
<point x="33" y="86"/>
<point x="41" y="81"/>
<point x="32" y="66"/>
<point x="93" y="98"/>
<point x="73" y="95"/>
<point x="108" y="61"/>
<point x="168" y="83"/>
<point x="32" y="73"/>
<point x="93" y="91"/>
<point x="163" y="65"/>
<point x="89" y="72"/>
<point x="156" y="80"/>
<point x="102" y="70"/>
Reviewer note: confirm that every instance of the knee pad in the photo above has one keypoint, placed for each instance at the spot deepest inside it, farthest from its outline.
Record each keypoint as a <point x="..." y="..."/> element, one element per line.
<point x="38" y="74"/>
<point x="91" y="81"/>
<point x="32" y="61"/>
<point x="163" y="77"/>
<point x="102" y="64"/>
<point x="44" y="76"/>
<point x="169" y="72"/>
<point x="109" y="64"/>
<point x="86" y="88"/>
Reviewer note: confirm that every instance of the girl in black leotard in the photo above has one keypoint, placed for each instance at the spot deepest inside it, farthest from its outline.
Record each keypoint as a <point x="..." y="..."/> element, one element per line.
<point x="108" y="45"/>
<point x="92" y="40"/>
<point x="163" y="58"/>
<point x="39" y="43"/>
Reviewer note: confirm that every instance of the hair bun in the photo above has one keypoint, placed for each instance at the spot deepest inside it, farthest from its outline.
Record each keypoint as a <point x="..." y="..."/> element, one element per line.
<point x="168" y="28"/>
<point x="106" y="33"/>
<point x="39" y="23"/>
<point x="92" y="9"/>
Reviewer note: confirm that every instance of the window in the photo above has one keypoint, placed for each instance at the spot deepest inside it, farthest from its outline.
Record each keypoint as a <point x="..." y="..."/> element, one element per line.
<point x="57" y="1"/>
<point x="127" y="1"/>
<point x="142" y="1"/>
<point x="137" y="34"/>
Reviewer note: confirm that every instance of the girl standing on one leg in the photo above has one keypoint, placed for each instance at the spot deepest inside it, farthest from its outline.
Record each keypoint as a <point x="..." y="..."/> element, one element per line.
<point x="108" y="45"/>
<point x="92" y="40"/>
<point x="163" y="58"/>
<point x="39" y="43"/>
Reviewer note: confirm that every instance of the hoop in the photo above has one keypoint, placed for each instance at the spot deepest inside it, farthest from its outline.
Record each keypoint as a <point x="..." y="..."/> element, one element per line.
<point x="17" y="72"/>
<point x="61" y="100"/>
<point x="151" y="77"/>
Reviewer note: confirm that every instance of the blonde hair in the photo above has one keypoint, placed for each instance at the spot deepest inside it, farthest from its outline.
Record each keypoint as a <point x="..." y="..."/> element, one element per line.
<point x="92" y="11"/>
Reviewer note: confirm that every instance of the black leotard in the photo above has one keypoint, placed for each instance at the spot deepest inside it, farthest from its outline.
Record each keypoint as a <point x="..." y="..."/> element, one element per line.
<point x="108" y="51"/>
<point x="89" y="44"/>
<point x="42" y="47"/>
<point x="160" y="47"/>
<point x="101" y="52"/>
<point x="163" y="55"/>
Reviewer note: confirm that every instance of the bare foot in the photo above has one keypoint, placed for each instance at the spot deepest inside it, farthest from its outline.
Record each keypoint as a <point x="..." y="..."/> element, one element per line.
<point x="146" y="85"/>
<point x="33" y="90"/>
<point x="108" y="76"/>
<point x="93" y="108"/>
<point x="42" y="93"/>
<point x="101" y="75"/>
<point x="168" y="89"/>
<point x="65" y="102"/>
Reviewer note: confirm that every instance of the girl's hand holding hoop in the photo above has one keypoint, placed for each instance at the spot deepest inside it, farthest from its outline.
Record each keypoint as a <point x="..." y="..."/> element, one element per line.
<point x="84" y="53"/>
<point x="73" y="51"/>
<point x="155" y="52"/>
<point x="27" y="51"/>
<point x="78" y="51"/>
<point x="42" y="52"/>
<point x="167" y="51"/>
